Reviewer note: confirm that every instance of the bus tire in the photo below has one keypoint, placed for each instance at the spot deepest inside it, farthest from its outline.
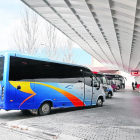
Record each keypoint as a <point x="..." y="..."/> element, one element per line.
<point x="44" y="109"/>
<point x="99" y="102"/>
<point x="109" y="95"/>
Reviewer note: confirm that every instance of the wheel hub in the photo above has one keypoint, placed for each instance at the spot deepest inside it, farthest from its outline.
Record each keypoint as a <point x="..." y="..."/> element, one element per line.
<point x="45" y="108"/>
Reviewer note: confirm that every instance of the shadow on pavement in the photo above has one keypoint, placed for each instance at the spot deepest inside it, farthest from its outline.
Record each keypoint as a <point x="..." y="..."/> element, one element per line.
<point x="18" y="115"/>
<point x="62" y="110"/>
<point x="13" y="115"/>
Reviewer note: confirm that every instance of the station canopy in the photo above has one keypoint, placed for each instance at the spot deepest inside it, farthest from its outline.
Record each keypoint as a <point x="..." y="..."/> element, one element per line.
<point x="109" y="30"/>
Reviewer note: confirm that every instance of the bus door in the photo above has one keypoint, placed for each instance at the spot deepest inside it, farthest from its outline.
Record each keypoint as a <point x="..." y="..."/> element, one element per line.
<point x="72" y="81"/>
<point x="21" y="83"/>
<point x="88" y="88"/>
<point x="78" y="85"/>
<point x="96" y="91"/>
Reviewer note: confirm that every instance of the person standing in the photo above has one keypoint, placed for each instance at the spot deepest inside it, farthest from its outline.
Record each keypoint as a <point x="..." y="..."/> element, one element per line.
<point x="133" y="86"/>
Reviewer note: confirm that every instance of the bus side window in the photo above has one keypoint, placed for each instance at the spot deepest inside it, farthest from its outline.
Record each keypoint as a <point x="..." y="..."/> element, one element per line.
<point x="88" y="79"/>
<point x="104" y="80"/>
<point x="99" y="80"/>
<point x="22" y="69"/>
<point x="108" y="82"/>
<point x="96" y="81"/>
<point x="46" y="71"/>
<point x="71" y="74"/>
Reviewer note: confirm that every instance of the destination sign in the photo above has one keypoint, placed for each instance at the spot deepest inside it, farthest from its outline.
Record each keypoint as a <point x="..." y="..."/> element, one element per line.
<point x="135" y="72"/>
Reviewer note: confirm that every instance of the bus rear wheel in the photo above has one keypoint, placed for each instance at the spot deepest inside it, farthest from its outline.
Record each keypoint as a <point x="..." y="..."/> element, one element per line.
<point x="44" y="109"/>
<point x="99" y="102"/>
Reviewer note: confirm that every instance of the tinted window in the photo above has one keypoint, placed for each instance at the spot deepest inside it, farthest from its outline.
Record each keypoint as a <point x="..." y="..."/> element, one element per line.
<point x="88" y="79"/>
<point x="107" y="81"/>
<point x="1" y="67"/>
<point x="122" y="80"/>
<point x="41" y="71"/>
<point x="99" y="79"/>
<point x="71" y="74"/>
<point x="113" y="82"/>
<point x="104" y="80"/>
<point x="95" y="80"/>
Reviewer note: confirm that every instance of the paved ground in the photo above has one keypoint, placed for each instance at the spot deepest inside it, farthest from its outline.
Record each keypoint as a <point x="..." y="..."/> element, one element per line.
<point x="10" y="134"/>
<point x="118" y="119"/>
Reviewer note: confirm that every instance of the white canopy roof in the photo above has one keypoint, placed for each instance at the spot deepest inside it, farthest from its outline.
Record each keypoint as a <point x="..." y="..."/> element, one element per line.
<point x="109" y="30"/>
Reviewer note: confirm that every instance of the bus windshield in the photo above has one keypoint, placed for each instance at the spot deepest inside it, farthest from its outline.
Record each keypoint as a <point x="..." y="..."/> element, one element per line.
<point x="113" y="82"/>
<point x="1" y="68"/>
<point x="100" y="78"/>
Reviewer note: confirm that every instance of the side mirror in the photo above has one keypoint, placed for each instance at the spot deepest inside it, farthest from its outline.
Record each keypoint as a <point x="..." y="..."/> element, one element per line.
<point x="95" y="85"/>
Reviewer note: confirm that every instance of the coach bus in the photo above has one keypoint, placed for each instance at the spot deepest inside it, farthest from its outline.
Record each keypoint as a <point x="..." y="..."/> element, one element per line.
<point x="31" y="83"/>
<point x="119" y="80"/>
<point x="105" y="84"/>
<point x="112" y="83"/>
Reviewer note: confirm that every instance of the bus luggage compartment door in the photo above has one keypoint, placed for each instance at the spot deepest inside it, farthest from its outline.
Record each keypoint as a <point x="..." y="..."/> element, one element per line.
<point x="21" y="94"/>
<point x="24" y="94"/>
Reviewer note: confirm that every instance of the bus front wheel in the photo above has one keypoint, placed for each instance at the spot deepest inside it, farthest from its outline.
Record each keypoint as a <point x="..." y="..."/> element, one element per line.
<point x="109" y="95"/>
<point x="44" y="109"/>
<point x="99" y="102"/>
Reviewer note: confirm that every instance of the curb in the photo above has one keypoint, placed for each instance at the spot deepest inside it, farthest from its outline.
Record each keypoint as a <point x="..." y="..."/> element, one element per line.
<point x="59" y="136"/>
<point x="15" y="124"/>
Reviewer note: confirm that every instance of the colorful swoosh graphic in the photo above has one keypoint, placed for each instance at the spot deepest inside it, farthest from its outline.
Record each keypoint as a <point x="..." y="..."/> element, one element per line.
<point x="76" y="101"/>
<point x="25" y="87"/>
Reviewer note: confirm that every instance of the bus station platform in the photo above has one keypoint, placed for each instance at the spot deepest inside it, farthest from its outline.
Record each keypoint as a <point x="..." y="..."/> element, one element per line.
<point x="118" y="119"/>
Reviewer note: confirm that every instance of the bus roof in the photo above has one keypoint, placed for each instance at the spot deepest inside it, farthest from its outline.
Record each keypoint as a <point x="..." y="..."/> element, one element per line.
<point x="114" y="75"/>
<point x="11" y="53"/>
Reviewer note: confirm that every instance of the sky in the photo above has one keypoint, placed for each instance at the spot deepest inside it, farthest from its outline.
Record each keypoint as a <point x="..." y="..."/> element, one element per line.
<point x="9" y="14"/>
<point x="9" y="11"/>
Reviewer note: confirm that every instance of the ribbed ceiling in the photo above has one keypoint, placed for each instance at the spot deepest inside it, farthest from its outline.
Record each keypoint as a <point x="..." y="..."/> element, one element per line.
<point x="109" y="30"/>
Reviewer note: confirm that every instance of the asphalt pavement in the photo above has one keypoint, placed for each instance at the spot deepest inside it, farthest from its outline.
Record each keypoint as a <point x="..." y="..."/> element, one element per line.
<point x="118" y="119"/>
